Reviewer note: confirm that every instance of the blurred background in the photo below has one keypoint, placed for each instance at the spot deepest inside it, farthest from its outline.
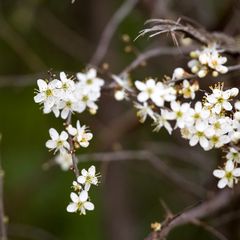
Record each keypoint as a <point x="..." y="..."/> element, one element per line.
<point x="37" y="36"/>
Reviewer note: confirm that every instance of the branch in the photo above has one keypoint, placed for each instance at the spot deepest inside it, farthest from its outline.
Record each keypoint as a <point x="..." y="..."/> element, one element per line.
<point x="72" y="151"/>
<point x="111" y="27"/>
<point x="154" y="53"/>
<point x="209" y="207"/>
<point x="160" y="26"/>
<point x="143" y="155"/>
<point x="19" y="45"/>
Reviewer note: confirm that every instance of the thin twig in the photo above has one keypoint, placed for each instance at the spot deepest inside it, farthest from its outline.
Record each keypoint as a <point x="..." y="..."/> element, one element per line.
<point x="210" y="229"/>
<point x="154" y="53"/>
<point x="111" y="27"/>
<point x="72" y="151"/>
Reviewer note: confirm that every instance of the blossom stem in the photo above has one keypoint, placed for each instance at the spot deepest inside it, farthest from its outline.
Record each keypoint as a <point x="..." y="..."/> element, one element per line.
<point x="74" y="158"/>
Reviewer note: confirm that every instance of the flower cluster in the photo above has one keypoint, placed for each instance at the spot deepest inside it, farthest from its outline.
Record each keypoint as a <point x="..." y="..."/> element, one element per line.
<point x="67" y="95"/>
<point x="80" y="198"/>
<point x="207" y="60"/>
<point x="79" y="137"/>
<point x="64" y="97"/>
<point x="213" y="122"/>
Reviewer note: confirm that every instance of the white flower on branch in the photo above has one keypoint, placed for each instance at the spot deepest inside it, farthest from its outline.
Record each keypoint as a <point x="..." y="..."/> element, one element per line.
<point x="162" y="121"/>
<point x="233" y="155"/>
<point x="64" y="160"/>
<point x="90" y="81"/>
<point x="181" y="113"/>
<point x="48" y="93"/>
<point x="80" y="203"/>
<point x="219" y="100"/>
<point x="80" y="135"/>
<point x="207" y="60"/>
<point x="144" y="111"/>
<point x="88" y="178"/>
<point x="188" y="90"/>
<point x="228" y="176"/>
<point x="58" y="142"/>
<point x="124" y="86"/>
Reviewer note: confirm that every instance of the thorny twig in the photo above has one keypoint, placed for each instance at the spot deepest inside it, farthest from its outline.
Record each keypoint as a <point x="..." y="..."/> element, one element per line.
<point x="218" y="202"/>
<point x="160" y="26"/>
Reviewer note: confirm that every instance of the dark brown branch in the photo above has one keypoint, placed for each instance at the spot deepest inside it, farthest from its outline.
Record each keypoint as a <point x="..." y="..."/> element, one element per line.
<point x="207" y="208"/>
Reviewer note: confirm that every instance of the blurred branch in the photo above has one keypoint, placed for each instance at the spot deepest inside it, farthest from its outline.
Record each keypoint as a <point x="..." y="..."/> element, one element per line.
<point x="3" y="232"/>
<point x="156" y="162"/>
<point x="17" y="43"/>
<point x="207" y="208"/>
<point x="108" y="32"/>
<point x="61" y="35"/>
<point x="199" y="159"/>
<point x="154" y="53"/>
<point x="209" y="229"/>
<point x="29" y="232"/>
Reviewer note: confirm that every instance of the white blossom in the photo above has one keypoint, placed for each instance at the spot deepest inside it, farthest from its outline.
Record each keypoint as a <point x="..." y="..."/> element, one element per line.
<point x="80" y="203"/>
<point x="144" y="111"/>
<point x="228" y="176"/>
<point x="88" y="178"/>
<point x="58" y="142"/>
<point x="64" y="160"/>
<point x="80" y="134"/>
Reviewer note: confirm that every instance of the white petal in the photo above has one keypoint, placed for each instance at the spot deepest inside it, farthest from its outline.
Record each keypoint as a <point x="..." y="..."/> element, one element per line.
<point x="142" y="97"/>
<point x="64" y="113"/>
<point x="83" y="196"/>
<point x="229" y="166"/>
<point x="140" y="85"/>
<point x="227" y="106"/>
<point x="222" y="183"/>
<point x="219" y="173"/>
<point x="51" y="144"/>
<point x="53" y="134"/>
<point x="87" y="186"/>
<point x="63" y="76"/>
<point x="204" y="142"/>
<point x="42" y="85"/>
<point x="150" y="83"/>
<point x="74" y="197"/>
<point x="89" y="206"/>
<point x="92" y="170"/>
<point x="84" y="144"/>
<point x="63" y="136"/>
<point x="84" y="172"/>
<point x="193" y="140"/>
<point x="81" y="179"/>
<point x="91" y="73"/>
<point x="72" y="207"/>
<point x="236" y="172"/>
<point x="40" y="97"/>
